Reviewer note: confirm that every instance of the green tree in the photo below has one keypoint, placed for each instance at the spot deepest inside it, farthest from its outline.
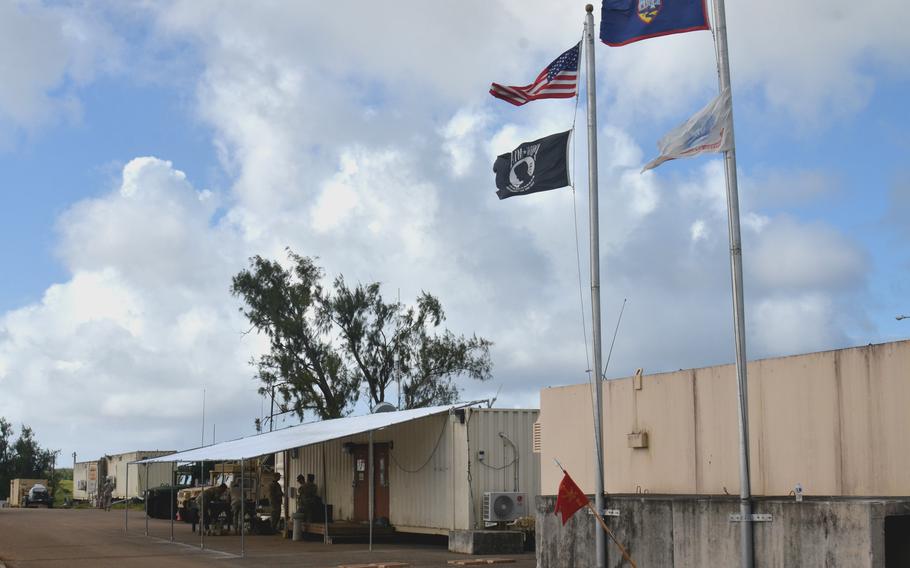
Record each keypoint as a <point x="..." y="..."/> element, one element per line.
<point x="392" y="343"/>
<point x="302" y="365"/>
<point x="325" y="345"/>
<point x="6" y="457"/>
<point x="23" y="458"/>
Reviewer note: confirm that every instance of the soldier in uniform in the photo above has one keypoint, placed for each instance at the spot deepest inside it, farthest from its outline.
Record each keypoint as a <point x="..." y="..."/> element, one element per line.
<point x="308" y="497"/>
<point x="106" y="493"/>
<point x="236" y="503"/>
<point x="206" y="501"/>
<point x="275" y="495"/>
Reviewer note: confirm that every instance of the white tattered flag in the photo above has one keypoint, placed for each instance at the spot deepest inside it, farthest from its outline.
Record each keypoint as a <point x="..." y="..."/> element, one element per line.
<point x="709" y="130"/>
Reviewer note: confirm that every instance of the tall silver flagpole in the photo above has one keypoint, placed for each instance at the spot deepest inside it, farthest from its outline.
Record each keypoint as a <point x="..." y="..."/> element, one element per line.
<point x="736" y="273"/>
<point x="600" y="538"/>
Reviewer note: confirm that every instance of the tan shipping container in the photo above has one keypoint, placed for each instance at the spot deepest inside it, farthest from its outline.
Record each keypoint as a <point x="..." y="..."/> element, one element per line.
<point x="18" y="489"/>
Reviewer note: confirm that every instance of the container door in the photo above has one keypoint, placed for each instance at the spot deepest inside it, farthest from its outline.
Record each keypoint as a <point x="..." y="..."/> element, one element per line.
<point x="361" y="482"/>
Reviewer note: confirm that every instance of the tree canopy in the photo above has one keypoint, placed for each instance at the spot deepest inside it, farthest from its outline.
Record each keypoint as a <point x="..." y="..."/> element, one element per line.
<point x="330" y="345"/>
<point x="22" y="458"/>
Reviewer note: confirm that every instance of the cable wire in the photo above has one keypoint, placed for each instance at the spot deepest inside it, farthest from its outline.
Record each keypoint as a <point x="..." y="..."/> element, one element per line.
<point x="433" y="453"/>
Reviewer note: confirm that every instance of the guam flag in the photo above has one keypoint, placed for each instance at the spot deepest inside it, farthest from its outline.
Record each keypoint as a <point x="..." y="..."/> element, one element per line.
<point x="627" y="21"/>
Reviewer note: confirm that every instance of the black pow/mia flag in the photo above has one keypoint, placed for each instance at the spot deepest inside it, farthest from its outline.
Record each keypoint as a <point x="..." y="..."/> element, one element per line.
<point x="535" y="166"/>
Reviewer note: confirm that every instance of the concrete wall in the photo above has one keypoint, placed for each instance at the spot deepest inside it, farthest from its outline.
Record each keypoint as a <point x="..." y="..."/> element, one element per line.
<point x="835" y="421"/>
<point x="693" y="532"/>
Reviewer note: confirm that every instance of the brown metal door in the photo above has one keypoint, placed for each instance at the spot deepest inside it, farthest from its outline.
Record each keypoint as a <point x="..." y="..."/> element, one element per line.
<point x="362" y="484"/>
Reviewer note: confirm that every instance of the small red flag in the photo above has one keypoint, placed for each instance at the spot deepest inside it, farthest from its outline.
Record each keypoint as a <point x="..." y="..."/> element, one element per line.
<point x="570" y="498"/>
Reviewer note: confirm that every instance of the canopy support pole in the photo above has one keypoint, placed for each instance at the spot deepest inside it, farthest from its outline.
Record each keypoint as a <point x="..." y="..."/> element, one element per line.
<point x="242" y="504"/>
<point x="372" y="489"/>
<point x="146" y="499"/>
<point x="173" y="497"/>
<point x="325" y="505"/>
<point x="287" y="488"/>
<point x="202" y="505"/>
<point x="126" y="502"/>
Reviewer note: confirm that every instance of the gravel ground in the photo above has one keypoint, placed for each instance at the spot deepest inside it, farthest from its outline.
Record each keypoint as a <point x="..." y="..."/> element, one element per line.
<point x="52" y="538"/>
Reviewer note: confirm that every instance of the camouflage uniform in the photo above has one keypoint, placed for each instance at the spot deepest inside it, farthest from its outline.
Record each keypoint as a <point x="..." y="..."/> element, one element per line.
<point x="275" y="495"/>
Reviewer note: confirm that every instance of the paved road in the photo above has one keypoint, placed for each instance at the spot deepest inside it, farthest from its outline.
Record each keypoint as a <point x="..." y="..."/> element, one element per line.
<point x="57" y="538"/>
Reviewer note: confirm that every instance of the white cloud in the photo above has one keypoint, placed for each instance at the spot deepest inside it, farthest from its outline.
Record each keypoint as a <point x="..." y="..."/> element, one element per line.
<point x="792" y="256"/>
<point x="798" y="324"/>
<point x="127" y="343"/>
<point x="44" y="52"/>
<point x="370" y="146"/>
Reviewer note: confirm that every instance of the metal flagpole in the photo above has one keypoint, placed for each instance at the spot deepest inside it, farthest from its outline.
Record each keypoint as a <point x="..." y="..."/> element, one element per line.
<point x="600" y="540"/>
<point x="736" y="273"/>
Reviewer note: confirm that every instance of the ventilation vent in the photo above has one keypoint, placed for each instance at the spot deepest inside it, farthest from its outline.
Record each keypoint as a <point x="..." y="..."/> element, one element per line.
<point x="535" y="435"/>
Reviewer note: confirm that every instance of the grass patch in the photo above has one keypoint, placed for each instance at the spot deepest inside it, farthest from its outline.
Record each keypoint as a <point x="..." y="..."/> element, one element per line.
<point x="64" y="492"/>
<point x="134" y="506"/>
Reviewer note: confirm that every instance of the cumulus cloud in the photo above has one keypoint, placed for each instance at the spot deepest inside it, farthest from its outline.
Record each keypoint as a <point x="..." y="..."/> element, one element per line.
<point x="792" y="256"/>
<point x="44" y="53"/>
<point x="371" y="147"/>
<point x="125" y="345"/>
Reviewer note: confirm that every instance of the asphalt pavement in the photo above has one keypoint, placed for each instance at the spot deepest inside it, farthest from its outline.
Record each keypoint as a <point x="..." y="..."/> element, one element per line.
<point x="56" y="538"/>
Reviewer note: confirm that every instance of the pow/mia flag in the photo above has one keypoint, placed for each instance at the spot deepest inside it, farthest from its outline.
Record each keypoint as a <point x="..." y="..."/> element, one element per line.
<point x="535" y="166"/>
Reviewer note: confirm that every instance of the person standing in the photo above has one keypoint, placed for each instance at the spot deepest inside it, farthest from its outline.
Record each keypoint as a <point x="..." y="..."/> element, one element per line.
<point x="309" y="498"/>
<point x="236" y="503"/>
<point x="275" y="495"/>
<point x="107" y="493"/>
<point x="206" y="504"/>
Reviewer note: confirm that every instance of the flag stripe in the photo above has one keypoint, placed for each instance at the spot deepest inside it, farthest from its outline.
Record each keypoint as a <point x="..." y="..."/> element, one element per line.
<point x="559" y="80"/>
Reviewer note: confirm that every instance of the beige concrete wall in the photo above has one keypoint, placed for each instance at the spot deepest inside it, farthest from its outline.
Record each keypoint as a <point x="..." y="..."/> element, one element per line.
<point x="837" y="422"/>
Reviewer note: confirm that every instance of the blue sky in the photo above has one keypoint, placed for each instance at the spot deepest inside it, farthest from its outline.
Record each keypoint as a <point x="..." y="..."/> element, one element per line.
<point x="148" y="149"/>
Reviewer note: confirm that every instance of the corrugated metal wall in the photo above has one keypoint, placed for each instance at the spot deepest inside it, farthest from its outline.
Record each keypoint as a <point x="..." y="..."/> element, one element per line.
<point x="159" y="473"/>
<point x="420" y="483"/>
<point x="499" y="471"/>
<point x="82" y="475"/>
<point x="432" y="461"/>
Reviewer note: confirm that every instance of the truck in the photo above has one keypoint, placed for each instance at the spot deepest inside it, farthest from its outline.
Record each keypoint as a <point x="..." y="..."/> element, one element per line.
<point x="256" y="477"/>
<point x="19" y="489"/>
<point x="39" y="495"/>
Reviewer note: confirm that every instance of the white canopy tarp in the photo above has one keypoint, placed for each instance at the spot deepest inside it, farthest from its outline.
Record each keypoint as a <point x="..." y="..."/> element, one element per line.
<point x="299" y="436"/>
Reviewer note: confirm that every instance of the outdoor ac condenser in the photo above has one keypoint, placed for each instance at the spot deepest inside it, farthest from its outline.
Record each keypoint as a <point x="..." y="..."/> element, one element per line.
<point x="504" y="506"/>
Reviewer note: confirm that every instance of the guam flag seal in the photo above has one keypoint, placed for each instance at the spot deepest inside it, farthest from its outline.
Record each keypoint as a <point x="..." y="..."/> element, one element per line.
<point x="627" y="21"/>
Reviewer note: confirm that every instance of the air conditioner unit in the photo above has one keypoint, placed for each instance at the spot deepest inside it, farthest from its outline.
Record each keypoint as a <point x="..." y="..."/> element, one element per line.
<point x="504" y="506"/>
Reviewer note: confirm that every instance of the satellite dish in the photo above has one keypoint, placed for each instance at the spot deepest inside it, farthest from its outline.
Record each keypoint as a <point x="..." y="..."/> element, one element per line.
<point x="384" y="407"/>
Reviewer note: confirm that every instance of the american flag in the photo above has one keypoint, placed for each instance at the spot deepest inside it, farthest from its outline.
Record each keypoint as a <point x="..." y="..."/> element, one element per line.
<point x="559" y="80"/>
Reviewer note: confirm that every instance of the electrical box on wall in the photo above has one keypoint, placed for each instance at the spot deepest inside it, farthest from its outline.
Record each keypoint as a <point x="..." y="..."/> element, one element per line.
<point x="637" y="439"/>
